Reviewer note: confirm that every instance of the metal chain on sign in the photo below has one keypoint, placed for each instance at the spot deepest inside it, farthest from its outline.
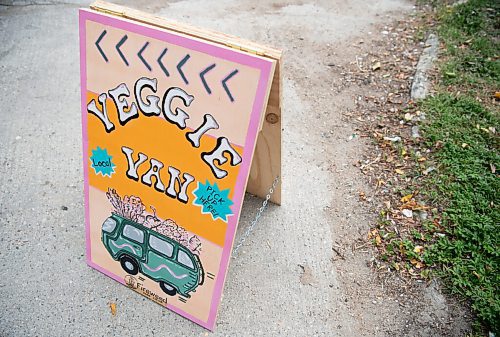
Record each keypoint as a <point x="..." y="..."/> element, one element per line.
<point x="257" y="216"/>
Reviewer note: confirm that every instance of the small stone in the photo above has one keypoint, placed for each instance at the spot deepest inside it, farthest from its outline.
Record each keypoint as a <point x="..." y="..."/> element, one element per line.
<point x="408" y="213"/>
<point x="393" y="139"/>
<point x="64" y="208"/>
<point x="415" y="131"/>
<point x="421" y="82"/>
<point x="422" y="215"/>
<point x="428" y="170"/>
<point x="420" y="116"/>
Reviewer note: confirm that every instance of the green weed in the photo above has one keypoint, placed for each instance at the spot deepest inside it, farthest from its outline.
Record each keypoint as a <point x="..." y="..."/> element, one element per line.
<point x="470" y="32"/>
<point x="467" y="186"/>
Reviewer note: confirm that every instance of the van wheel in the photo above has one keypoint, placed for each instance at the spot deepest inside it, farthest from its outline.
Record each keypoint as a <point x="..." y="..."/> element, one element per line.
<point x="168" y="289"/>
<point x="129" y="265"/>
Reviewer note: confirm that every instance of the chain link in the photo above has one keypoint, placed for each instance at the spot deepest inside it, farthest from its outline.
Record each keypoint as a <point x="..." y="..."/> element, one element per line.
<point x="257" y="216"/>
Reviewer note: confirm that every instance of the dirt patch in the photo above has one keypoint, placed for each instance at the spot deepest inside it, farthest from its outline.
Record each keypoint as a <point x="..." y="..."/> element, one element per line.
<point x="384" y="301"/>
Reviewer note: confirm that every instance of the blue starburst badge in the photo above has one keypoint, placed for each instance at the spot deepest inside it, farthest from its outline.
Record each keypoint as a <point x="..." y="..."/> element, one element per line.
<point x="213" y="201"/>
<point x="101" y="162"/>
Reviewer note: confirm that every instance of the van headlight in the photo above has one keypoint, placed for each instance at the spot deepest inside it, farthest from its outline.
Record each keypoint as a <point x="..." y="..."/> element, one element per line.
<point x="109" y="225"/>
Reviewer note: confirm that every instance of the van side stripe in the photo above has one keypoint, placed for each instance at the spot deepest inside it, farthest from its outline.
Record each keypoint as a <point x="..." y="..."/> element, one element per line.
<point x="179" y="277"/>
<point x="124" y="245"/>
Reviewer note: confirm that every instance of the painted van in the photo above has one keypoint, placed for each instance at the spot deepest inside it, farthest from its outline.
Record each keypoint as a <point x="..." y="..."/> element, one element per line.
<point x="140" y="249"/>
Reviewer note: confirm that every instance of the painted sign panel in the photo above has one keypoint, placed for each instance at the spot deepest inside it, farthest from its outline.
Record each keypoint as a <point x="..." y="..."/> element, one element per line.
<point x="169" y="129"/>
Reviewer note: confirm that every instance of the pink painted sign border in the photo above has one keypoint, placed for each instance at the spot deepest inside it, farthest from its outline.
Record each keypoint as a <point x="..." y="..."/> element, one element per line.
<point x="265" y="67"/>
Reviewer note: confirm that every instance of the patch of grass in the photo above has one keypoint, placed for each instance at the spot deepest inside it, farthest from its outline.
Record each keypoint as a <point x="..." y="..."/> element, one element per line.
<point x="470" y="32"/>
<point x="461" y="131"/>
<point x="467" y="153"/>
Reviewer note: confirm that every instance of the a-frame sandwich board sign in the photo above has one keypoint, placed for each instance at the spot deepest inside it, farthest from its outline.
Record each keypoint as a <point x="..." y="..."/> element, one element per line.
<point x="177" y="123"/>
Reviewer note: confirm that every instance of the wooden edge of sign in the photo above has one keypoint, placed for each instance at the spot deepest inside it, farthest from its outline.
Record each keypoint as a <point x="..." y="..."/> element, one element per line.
<point x="266" y="163"/>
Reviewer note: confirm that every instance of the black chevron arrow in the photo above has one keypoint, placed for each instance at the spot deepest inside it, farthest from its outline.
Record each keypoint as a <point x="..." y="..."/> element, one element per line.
<point x="234" y="72"/>
<point x="202" y="76"/>
<point x="179" y="66"/>
<point x="118" y="45"/>
<point x="99" y="47"/>
<point x="142" y="58"/>
<point x="161" y="63"/>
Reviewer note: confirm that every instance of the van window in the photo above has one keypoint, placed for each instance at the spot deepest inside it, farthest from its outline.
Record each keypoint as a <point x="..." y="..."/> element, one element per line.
<point x="133" y="233"/>
<point x="109" y="225"/>
<point x="184" y="259"/>
<point x="161" y="246"/>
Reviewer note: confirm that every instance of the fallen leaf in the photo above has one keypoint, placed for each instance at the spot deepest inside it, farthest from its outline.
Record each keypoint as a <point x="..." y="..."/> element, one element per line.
<point x="493" y="168"/>
<point x="412" y="204"/>
<point x="376" y="66"/>
<point x="372" y="233"/>
<point x="399" y="171"/>
<point x="421" y="159"/>
<point x="408" y="116"/>
<point x="417" y="207"/>
<point x="464" y="145"/>
<point x="406" y="198"/>
<point x="112" y="306"/>
<point x="418" y="249"/>
<point x="378" y="240"/>
<point x="417" y="263"/>
<point x="362" y="196"/>
<point x="412" y="272"/>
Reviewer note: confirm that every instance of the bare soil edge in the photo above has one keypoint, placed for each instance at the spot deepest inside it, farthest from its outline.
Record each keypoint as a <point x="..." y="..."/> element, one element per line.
<point x="378" y="79"/>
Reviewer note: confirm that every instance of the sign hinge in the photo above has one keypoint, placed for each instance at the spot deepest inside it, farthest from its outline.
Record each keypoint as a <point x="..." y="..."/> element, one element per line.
<point x="247" y="50"/>
<point x="108" y="11"/>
